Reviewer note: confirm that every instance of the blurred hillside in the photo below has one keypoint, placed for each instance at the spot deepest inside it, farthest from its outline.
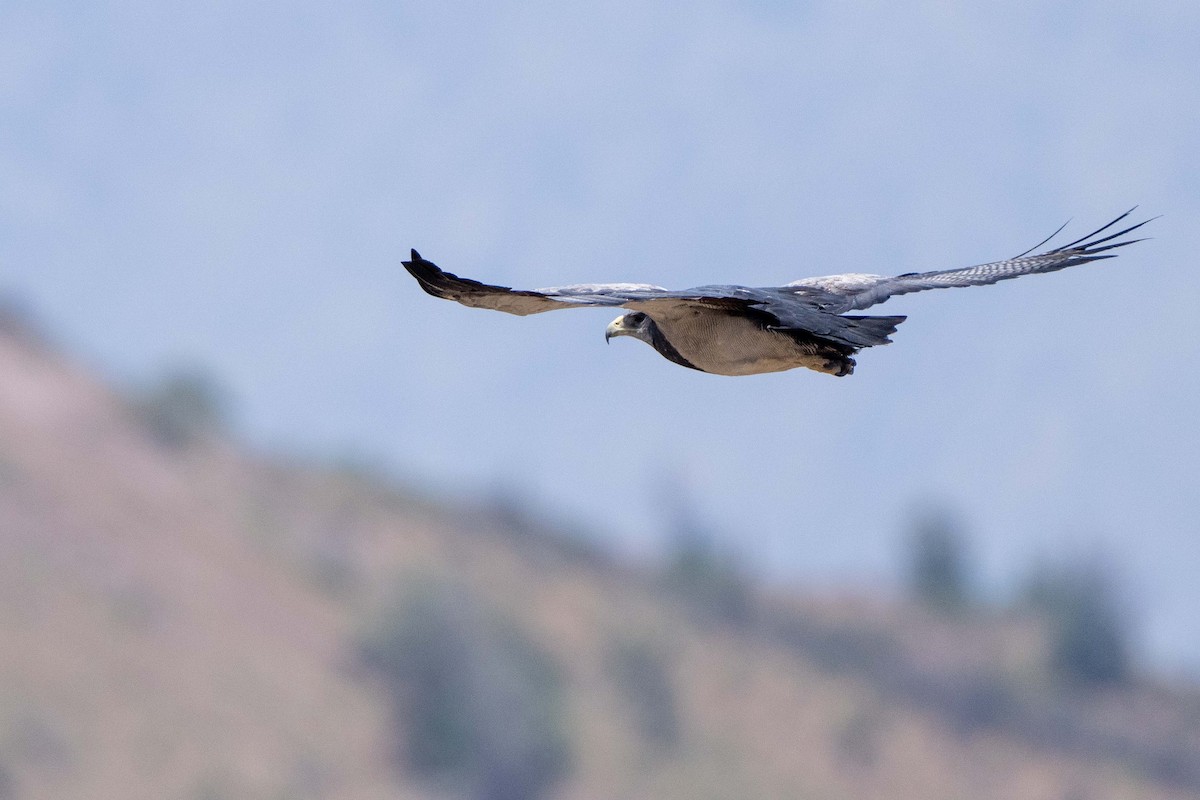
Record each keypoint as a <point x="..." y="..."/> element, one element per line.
<point x="184" y="619"/>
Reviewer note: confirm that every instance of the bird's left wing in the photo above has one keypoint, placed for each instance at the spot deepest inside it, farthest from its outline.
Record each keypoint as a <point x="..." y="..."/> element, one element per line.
<point x="839" y="293"/>
<point x="440" y="283"/>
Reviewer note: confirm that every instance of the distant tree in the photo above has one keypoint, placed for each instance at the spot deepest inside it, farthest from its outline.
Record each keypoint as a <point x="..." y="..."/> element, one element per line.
<point x="640" y="671"/>
<point x="1089" y="634"/>
<point x="938" y="573"/>
<point x="712" y="579"/>
<point x="477" y="703"/>
<point x="183" y="406"/>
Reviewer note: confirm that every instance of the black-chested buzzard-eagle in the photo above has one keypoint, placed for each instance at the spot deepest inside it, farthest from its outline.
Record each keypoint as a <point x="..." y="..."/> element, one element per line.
<point x="738" y="330"/>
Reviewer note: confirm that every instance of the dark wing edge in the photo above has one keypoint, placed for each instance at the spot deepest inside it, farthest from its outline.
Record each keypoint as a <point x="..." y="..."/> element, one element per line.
<point x="1081" y="251"/>
<point x="782" y="310"/>
<point x="865" y="331"/>
<point x="807" y="312"/>
<point x="849" y="330"/>
<point x="449" y="286"/>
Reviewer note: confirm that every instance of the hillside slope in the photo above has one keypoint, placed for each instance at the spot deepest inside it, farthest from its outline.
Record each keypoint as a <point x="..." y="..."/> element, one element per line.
<point x="189" y="620"/>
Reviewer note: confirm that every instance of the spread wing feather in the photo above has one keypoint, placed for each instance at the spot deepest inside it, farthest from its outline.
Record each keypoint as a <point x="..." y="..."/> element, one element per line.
<point x="839" y="293"/>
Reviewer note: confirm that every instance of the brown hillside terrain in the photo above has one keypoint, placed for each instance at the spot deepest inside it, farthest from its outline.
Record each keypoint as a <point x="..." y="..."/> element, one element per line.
<point x="189" y="621"/>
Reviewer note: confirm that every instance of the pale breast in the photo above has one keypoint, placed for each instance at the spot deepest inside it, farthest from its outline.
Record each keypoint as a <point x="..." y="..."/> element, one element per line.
<point x="727" y="344"/>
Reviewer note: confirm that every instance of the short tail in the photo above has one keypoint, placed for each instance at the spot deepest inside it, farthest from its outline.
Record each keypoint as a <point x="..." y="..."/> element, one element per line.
<point x="867" y="331"/>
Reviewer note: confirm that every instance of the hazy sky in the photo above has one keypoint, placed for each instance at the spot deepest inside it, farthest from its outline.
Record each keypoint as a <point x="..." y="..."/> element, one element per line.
<point x="236" y="183"/>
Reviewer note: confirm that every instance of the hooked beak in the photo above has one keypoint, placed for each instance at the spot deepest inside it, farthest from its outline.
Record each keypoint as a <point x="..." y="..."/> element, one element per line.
<point x="615" y="328"/>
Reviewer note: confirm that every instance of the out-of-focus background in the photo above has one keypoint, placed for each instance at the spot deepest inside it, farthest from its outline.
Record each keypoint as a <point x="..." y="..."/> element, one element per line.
<point x="274" y="523"/>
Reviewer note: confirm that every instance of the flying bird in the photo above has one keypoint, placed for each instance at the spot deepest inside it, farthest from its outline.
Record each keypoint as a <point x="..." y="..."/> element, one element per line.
<point x="739" y="330"/>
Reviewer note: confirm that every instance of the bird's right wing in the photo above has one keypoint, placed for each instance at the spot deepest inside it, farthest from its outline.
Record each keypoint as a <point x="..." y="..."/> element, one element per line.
<point x="448" y="286"/>
<point x="848" y="292"/>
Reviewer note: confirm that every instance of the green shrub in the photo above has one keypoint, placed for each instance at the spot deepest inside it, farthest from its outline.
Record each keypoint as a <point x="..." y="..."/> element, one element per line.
<point x="938" y="563"/>
<point x="1089" y="635"/>
<point x="477" y="703"/>
<point x="183" y="406"/>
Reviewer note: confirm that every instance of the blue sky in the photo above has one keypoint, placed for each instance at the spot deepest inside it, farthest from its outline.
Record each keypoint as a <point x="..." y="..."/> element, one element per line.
<point x="235" y="184"/>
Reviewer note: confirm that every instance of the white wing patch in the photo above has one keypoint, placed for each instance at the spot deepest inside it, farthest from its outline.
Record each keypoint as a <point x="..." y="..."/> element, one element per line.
<point x="600" y="288"/>
<point x="850" y="283"/>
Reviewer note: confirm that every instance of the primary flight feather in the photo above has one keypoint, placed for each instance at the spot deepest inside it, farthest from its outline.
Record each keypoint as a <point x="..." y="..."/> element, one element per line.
<point x="739" y="330"/>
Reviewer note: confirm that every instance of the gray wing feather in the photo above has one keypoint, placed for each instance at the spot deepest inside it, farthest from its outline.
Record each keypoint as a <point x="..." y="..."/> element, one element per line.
<point x="840" y="293"/>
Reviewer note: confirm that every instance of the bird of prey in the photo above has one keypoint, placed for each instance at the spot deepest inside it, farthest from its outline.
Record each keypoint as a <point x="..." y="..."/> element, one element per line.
<point x="739" y="330"/>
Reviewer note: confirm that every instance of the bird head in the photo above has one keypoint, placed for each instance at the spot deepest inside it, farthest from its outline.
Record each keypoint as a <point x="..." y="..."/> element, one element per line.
<point x="635" y="324"/>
